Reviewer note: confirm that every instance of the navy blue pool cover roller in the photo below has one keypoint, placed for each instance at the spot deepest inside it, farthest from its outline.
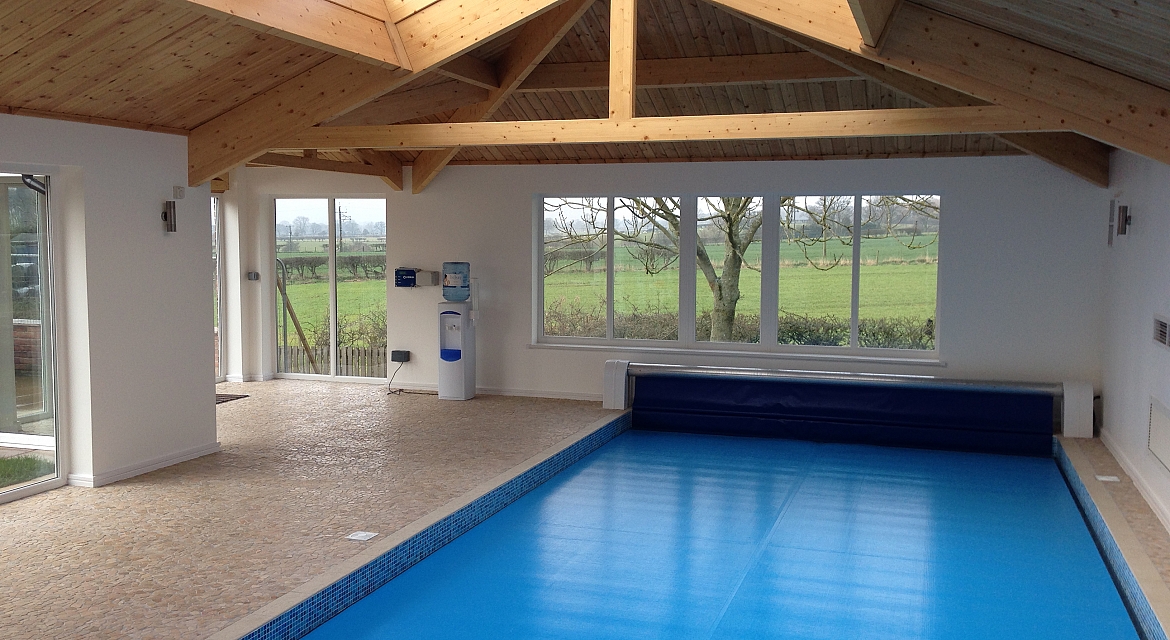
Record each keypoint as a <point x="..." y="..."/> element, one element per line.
<point x="960" y="417"/>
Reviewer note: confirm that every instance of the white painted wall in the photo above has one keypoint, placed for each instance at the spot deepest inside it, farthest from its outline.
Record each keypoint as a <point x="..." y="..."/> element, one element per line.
<point x="1021" y="271"/>
<point x="1136" y="368"/>
<point x="134" y="316"/>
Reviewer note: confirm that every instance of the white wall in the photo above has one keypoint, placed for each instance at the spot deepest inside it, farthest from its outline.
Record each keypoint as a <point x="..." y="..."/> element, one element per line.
<point x="134" y="315"/>
<point x="1021" y="268"/>
<point x="1137" y="368"/>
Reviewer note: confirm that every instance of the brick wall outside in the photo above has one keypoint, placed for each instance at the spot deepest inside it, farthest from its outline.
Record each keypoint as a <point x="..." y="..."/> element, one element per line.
<point x="26" y="337"/>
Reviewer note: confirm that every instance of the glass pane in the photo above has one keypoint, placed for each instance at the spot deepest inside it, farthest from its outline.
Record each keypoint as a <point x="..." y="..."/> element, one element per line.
<point x="727" y="269"/>
<point x="215" y="280"/>
<point x="899" y="271"/>
<point x="575" y="267"/>
<point x="302" y="286"/>
<point x="816" y="277"/>
<point x="645" y="287"/>
<point x="28" y="434"/>
<point x="361" y="287"/>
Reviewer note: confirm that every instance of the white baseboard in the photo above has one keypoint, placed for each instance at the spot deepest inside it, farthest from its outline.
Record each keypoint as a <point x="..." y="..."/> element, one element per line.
<point x="533" y="393"/>
<point x="1156" y="503"/>
<point x="251" y="377"/>
<point x="129" y="471"/>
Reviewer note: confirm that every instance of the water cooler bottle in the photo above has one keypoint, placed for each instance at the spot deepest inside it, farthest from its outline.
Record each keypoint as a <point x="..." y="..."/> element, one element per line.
<point x="456" y="335"/>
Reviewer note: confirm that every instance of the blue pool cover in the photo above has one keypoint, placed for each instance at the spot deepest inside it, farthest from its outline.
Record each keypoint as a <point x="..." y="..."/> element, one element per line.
<point x="667" y="535"/>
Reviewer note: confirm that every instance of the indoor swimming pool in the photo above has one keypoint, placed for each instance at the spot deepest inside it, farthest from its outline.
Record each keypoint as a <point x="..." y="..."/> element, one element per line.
<point x="669" y="535"/>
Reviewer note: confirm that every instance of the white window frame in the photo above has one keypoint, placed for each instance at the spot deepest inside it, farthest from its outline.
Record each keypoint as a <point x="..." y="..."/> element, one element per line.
<point x="769" y="346"/>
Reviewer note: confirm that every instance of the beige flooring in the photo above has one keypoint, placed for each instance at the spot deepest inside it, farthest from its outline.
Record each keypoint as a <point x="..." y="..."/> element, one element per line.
<point x="184" y="551"/>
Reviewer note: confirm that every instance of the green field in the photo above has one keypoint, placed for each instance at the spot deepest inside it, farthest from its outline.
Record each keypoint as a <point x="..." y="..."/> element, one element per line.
<point x="894" y="281"/>
<point x="355" y="298"/>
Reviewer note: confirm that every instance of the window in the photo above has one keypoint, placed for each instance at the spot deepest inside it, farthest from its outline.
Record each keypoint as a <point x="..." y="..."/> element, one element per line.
<point x="773" y="272"/>
<point x="331" y="286"/>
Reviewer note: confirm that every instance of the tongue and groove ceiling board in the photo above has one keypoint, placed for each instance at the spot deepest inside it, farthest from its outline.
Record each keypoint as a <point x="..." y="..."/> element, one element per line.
<point x="143" y="62"/>
<point x="161" y="65"/>
<point x="1128" y="36"/>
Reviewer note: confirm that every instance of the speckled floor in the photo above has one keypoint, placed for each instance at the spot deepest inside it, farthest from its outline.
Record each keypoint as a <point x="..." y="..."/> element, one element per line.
<point x="183" y="551"/>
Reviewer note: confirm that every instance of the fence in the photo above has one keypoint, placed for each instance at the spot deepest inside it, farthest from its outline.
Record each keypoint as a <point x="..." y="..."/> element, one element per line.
<point x="363" y="362"/>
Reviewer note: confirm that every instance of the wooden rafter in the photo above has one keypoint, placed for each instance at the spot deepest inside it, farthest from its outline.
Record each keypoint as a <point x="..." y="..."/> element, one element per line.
<point x="821" y="124"/>
<point x="390" y="166"/>
<point x="532" y="44"/>
<point x="322" y="24"/>
<point x="998" y="68"/>
<point x="471" y="70"/>
<point x="416" y="103"/>
<point x="381" y="170"/>
<point x="682" y="72"/>
<point x="1081" y="156"/>
<point x="431" y="37"/>
<point x="872" y="17"/>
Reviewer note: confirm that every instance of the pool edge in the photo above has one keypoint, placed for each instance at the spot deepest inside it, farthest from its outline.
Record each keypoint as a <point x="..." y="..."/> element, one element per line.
<point x="1140" y="584"/>
<point x="302" y="610"/>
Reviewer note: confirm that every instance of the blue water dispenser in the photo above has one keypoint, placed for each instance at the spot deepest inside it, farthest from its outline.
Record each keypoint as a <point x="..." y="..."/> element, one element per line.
<point x="456" y="334"/>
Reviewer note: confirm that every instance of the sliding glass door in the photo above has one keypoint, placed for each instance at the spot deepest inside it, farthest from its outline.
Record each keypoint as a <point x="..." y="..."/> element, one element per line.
<point x="331" y="287"/>
<point x="28" y="425"/>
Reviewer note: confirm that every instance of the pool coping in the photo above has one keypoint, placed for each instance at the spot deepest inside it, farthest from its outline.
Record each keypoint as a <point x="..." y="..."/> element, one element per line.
<point x="298" y="612"/>
<point x="1140" y="584"/>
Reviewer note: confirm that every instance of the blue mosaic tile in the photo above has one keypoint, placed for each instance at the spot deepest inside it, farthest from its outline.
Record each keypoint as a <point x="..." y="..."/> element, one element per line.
<point x="1131" y="593"/>
<point x="328" y="602"/>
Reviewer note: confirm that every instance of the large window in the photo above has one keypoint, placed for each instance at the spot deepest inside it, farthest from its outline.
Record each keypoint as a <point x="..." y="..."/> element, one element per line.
<point x="774" y="272"/>
<point x="331" y="286"/>
<point x="28" y="424"/>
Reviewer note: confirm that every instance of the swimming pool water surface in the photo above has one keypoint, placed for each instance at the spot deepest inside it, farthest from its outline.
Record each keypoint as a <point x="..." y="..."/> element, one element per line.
<point x="665" y="535"/>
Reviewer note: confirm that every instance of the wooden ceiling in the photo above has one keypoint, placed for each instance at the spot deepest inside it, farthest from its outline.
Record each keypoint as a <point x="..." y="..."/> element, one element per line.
<point x="241" y="82"/>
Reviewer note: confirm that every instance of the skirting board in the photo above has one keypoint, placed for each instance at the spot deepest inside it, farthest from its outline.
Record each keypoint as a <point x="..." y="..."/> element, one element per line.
<point x="129" y="471"/>
<point x="250" y="378"/>
<point x="1156" y="504"/>
<point x="496" y="391"/>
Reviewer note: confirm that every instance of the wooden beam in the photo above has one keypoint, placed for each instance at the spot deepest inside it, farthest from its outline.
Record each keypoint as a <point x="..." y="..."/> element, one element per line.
<point x="532" y="44"/>
<point x="998" y="68"/>
<point x="447" y="29"/>
<point x="221" y="184"/>
<point x="408" y="105"/>
<point x="387" y="163"/>
<point x="317" y="164"/>
<point x="472" y="71"/>
<point x="623" y="58"/>
<point x="301" y="102"/>
<point x="317" y="23"/>
<point x="339" y="85"/>
<point x="1081" y="156"/>
<point x="690" y="72"/>
<point x="400" y="10"/>
<point x="821" y="124"/>
<point x="872" y="17"/>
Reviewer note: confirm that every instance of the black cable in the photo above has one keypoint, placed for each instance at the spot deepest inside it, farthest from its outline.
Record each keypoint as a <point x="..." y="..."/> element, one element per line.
<point x="391" y="381"/>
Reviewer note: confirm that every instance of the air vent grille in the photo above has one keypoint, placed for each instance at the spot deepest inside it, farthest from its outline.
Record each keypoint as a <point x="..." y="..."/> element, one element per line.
<point x="1161" y="331"/>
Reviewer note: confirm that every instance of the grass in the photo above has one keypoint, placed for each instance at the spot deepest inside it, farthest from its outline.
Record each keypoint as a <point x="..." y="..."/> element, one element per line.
<point x="310" y="300"/>
<point x="20" y="469"/>
<point x="885" y="290"/>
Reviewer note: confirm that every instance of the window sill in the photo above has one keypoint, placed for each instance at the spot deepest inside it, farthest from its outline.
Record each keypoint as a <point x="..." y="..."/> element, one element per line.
<point x="885" y="357"/>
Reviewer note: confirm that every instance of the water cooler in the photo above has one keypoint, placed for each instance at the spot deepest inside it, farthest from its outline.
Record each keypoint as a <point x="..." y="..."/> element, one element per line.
<point x="456" y="334"/>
